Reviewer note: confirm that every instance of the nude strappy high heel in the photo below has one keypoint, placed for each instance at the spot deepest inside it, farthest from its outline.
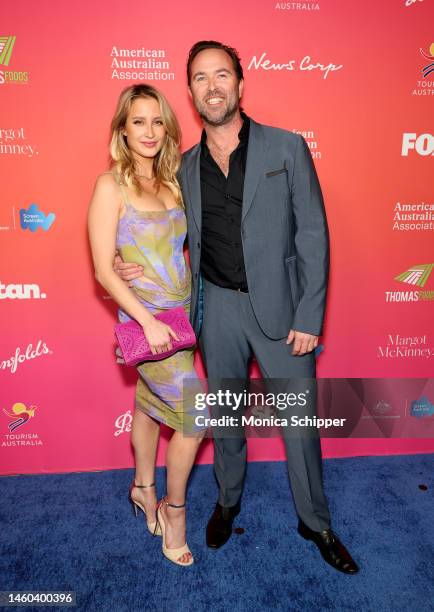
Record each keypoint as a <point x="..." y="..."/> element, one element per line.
<point x="154" y="527"/>
<point x="173" y="554"/>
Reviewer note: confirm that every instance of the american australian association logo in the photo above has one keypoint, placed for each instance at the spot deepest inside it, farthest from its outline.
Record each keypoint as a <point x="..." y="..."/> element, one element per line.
<point x="416" y="276"/>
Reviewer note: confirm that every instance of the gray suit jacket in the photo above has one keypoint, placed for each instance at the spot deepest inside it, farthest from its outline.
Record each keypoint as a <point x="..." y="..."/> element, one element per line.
<point x="283" y="230"/>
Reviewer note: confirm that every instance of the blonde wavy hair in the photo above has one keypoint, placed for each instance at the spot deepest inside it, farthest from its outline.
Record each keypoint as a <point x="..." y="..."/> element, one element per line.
<point x="166" y="162"/>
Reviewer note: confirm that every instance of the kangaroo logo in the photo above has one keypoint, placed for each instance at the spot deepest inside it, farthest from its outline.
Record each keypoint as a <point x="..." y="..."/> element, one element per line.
<point x="21" y="414"/>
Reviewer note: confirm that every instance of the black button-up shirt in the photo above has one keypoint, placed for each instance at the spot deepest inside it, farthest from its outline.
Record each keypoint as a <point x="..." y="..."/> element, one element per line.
<point x="222" y="259"/>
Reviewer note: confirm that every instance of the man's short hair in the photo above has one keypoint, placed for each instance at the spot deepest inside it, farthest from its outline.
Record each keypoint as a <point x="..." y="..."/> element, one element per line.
<point x="213" y="44"/>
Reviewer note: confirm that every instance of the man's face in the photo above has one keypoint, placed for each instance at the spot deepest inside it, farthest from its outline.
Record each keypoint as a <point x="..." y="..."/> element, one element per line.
<point x="214" y="86"/>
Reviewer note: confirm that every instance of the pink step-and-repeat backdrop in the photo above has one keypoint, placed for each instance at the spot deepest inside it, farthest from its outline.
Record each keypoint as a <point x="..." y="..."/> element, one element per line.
<point x="355" y="78"/>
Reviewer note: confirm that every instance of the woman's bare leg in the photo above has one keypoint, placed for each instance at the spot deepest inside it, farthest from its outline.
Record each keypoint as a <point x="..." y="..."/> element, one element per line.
<point x="180" y="456"/>
<point x="144" y="437"/>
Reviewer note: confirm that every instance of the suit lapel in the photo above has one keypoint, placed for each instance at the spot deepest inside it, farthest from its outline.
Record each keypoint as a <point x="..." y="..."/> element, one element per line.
<point x="256" y="156"/>
<point x="193" y="181"/>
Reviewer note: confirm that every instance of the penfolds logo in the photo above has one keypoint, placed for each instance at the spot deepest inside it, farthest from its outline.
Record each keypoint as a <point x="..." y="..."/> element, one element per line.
<point x="22" y="355"/>
<point x="123" y="423"/>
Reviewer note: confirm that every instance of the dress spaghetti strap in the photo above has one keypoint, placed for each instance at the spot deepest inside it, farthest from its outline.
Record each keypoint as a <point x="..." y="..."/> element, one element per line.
<point x="121" y="187"/>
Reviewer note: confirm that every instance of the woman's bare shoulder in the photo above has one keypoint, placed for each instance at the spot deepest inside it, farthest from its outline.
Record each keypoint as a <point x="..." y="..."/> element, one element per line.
<point x="107" y="181"/>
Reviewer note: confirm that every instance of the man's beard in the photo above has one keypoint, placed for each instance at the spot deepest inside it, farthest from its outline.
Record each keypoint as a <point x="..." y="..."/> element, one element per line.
<point x="229" y="112"/>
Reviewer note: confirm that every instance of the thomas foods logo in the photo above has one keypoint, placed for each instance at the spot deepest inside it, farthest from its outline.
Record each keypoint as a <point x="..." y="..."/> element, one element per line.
<point x="422" y="145"/>
<point x="416" y="276"/>
<point x="33" y="218"/>
<point x="6" y="47"/>
<point x="8" y="76"/>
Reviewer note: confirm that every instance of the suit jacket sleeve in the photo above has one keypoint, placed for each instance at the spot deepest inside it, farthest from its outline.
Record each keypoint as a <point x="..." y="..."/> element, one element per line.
<point x="311" y="242"/>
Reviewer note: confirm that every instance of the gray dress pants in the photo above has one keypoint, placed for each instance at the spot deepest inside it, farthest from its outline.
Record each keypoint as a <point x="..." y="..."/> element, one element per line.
<point x="229" y="337"/>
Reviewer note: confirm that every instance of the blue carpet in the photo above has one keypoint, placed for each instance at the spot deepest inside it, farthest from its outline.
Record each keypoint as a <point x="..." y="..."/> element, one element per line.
<point x="77" y="532"/>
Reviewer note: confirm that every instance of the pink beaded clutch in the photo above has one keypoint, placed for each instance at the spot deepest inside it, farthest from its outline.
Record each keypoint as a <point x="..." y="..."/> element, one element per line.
<point x="134" y="346"/>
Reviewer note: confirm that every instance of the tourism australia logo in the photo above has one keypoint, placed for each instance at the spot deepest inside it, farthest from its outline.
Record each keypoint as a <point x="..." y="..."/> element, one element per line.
<point x="425" y="85"/>
<point x="429" y="68"/>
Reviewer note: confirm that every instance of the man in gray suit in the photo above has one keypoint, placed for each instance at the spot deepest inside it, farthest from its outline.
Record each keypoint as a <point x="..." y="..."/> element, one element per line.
<point x="258" y="246"/>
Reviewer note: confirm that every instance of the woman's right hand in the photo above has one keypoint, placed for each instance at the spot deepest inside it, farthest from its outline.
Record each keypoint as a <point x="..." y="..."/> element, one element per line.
<point x="159" y="336"/>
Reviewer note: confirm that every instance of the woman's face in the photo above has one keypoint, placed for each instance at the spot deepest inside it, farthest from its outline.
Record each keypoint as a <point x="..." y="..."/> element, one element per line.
<point x="144" y="128"/>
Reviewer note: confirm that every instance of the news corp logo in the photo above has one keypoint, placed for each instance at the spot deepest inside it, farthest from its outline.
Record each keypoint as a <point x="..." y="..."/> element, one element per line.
<point x="422" y="145"/>
<point x="21" y="292"/>
<point x="10" y="77"/>
<point x="305" y="64"/>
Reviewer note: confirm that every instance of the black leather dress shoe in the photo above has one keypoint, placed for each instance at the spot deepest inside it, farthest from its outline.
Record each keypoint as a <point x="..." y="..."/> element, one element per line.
<point x="331" y="549"/>
<point x="219" y="528"/>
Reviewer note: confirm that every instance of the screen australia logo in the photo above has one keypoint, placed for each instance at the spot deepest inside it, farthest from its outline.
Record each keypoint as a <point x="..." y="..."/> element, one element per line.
<point x="32" y="218"/>
<point x="417" y="276"/>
